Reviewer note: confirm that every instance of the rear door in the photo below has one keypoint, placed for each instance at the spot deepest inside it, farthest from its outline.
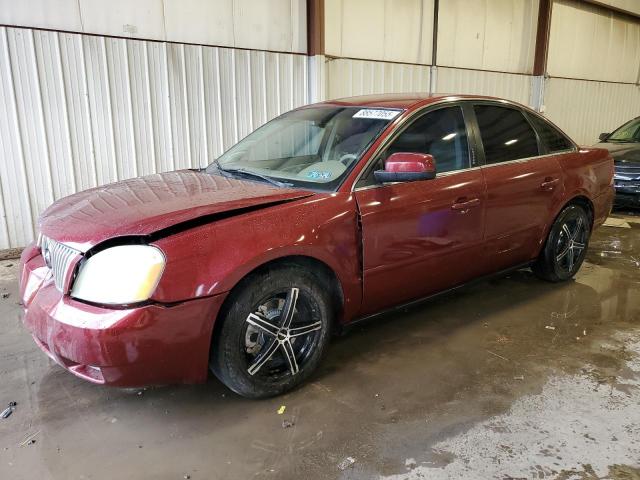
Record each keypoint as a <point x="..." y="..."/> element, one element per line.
<point x="523" y="184"/>
<point x="424" y="236"/>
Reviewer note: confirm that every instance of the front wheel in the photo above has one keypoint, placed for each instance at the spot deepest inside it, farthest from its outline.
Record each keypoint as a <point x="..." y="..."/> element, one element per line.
<point x="273" y="333"/>
<point x="566" y="245"/>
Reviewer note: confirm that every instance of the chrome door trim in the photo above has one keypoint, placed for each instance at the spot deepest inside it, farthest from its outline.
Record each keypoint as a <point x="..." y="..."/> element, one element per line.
<point x="527" y="159"/>
<point x="464" y="170"/>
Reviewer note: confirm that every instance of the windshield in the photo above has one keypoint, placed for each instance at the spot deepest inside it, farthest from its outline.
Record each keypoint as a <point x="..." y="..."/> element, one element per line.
<point x="629" y="132"/>
<point x="312" y="147"/>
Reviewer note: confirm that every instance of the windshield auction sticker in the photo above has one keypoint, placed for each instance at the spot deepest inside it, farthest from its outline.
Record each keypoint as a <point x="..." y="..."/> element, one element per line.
<point x="377" y="114"/>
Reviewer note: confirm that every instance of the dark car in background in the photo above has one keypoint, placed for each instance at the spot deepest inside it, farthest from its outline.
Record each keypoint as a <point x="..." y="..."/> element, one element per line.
<point x="624" y="146"/>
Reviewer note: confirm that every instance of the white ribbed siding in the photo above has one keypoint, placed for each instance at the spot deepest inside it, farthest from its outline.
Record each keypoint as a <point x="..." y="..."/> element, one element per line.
<point x="584" y="109"/>
<point x="80" y="111"/>
<point x="477" y="82"/>
<point x="347" y="77"/>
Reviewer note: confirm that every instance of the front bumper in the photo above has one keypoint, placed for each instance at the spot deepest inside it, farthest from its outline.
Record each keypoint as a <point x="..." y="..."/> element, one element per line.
<point x="627" y="184"/>
<point x="148" y="345"/>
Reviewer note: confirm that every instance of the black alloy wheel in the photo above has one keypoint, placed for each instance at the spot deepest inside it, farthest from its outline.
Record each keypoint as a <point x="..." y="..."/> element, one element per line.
<point x="280" y="334"/>
<point x="566" y="245"/>
<point x="274" y="331"/>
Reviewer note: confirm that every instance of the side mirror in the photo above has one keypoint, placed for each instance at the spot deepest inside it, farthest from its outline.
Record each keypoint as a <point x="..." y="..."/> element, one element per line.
<point x="406" y="167"/>
<point x="604" y="136"/>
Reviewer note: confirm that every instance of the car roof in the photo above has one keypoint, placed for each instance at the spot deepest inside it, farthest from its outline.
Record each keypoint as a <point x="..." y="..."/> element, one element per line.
<point x="401" y="100"/>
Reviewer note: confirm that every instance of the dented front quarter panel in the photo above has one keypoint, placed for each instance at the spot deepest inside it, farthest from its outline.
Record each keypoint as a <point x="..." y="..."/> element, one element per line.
<point x="214" y="257"/>
<point x="212" y="230"/>
<point x="146" y="205"/>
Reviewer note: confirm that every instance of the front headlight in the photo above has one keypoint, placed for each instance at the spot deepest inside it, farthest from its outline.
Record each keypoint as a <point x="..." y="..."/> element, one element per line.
<point x="120" y="275"/>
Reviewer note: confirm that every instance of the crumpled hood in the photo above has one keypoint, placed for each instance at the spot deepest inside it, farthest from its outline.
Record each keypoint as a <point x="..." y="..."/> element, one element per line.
<point x="622" y="152"/>
<point x="146" y="205"/>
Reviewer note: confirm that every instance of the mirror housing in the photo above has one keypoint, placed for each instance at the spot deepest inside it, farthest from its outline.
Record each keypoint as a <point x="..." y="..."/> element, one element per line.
<point x="407" y="167"/>
<point x="603" y="136"/>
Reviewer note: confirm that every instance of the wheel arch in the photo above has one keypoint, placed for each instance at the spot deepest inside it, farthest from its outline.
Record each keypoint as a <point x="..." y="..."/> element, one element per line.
<point x="325" y="274"/>
<point x="583" y="201"/>
<point x="578" y="199"/>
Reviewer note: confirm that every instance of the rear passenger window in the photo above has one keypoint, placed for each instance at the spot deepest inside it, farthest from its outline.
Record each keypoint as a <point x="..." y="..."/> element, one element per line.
<point x="552" y="140"/>
<point x="506" y="134"/>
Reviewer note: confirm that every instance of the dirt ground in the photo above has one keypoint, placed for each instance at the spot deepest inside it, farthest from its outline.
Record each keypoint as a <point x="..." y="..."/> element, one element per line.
<point x="509" y="379"/>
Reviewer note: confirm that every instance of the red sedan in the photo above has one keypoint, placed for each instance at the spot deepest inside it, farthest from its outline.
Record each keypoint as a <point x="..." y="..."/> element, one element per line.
<point x="328" y="214"/>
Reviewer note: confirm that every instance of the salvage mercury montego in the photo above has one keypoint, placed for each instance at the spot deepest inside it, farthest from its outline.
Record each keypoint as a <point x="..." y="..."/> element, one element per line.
<point x="328" y="214"/>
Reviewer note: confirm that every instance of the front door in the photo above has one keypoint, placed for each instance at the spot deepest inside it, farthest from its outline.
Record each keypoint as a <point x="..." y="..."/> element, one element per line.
<point x="425" y="236"/>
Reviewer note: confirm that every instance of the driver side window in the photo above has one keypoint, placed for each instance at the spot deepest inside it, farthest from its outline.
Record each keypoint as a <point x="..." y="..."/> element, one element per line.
<point x="440" y="133"/>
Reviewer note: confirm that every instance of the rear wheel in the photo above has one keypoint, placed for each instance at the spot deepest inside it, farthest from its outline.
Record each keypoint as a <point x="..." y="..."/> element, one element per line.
<point x="566" y="245"/>
<point x="274" y="332"/>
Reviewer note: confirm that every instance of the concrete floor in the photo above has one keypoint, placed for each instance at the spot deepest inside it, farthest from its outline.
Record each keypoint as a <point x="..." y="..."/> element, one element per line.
<point x="512" y="378"/>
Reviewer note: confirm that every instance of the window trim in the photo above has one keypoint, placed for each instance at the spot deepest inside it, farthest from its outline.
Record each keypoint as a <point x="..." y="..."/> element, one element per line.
<point x="407" y="123"/>
<point x="528" y="115"/>
<point x="523" y="160"/>
<point x="528" y="111"/>
<point x="473" y="133"/>
<point x="480" y="145"/>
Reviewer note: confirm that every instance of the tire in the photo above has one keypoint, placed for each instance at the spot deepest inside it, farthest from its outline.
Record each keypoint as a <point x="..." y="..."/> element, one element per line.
<point x="259" y="351"/>
<point x="566" y="245"/>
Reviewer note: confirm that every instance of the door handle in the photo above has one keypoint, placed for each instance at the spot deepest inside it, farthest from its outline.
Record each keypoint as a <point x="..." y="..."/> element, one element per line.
<point x="464" y="205"/>
<point x="549" y="183"/>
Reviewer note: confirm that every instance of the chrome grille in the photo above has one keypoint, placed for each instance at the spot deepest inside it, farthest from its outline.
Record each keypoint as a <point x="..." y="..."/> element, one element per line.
<point x="627" y="171"/>
<point x="628" y="183"/>
<point x="58" y="258"/>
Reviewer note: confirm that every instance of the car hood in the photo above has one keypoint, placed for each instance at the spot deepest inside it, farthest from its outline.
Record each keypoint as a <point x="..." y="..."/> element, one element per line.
<point x="622" y="152"/>
<point x="155" y="204"/>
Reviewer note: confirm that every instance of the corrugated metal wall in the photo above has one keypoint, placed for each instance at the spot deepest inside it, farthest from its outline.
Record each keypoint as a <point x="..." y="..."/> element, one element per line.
<point x="347" y="77"/>
<point x="589" y="42"/>
<point x="387" y="30"/>
<point x="601" y="47"/>
<point x="494" y="35"/>
<point x="584" y="109"/>
<point x="632" y="6"/>
<point x="275" y="25"/>
<point x="477" y="82"/>
<point x="81" y="111"/>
